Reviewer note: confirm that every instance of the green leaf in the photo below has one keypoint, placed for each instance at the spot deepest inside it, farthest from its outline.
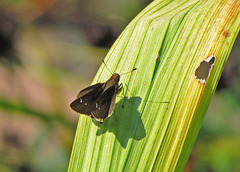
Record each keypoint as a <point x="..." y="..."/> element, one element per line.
<point x="167" y="42"/>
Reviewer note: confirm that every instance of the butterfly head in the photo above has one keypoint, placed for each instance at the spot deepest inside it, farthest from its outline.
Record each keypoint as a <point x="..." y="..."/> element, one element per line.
<point x="115" y="77"/>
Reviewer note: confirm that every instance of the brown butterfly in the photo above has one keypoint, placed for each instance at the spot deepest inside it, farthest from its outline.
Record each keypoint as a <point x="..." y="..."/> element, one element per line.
<point x="98" y="100"/>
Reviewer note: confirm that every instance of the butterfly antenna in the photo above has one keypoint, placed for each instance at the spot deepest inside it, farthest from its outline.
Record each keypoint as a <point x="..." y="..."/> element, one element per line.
<point x="129" y="71"/>
<point x="106" y="66"/>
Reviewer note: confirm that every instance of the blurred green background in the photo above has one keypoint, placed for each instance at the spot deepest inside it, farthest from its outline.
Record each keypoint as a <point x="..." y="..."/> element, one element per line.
<point x="50" y="50"/>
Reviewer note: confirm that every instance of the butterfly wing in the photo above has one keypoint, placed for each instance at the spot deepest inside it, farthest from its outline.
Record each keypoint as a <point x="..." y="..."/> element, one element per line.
<point x="105" y="104"/>
<point x="86" y="99"/>
<point x="89" y="89"/>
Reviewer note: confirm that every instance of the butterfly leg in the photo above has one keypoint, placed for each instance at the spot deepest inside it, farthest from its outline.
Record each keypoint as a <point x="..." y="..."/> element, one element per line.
<point x="120" y="88"/>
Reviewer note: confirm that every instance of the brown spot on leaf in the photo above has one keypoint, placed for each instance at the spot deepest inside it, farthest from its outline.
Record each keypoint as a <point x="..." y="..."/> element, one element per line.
<point x="226" y="33"/>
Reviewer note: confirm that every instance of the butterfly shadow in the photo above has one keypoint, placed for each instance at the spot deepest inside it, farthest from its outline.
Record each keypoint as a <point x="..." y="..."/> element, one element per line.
<point x="125" y="122"/>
